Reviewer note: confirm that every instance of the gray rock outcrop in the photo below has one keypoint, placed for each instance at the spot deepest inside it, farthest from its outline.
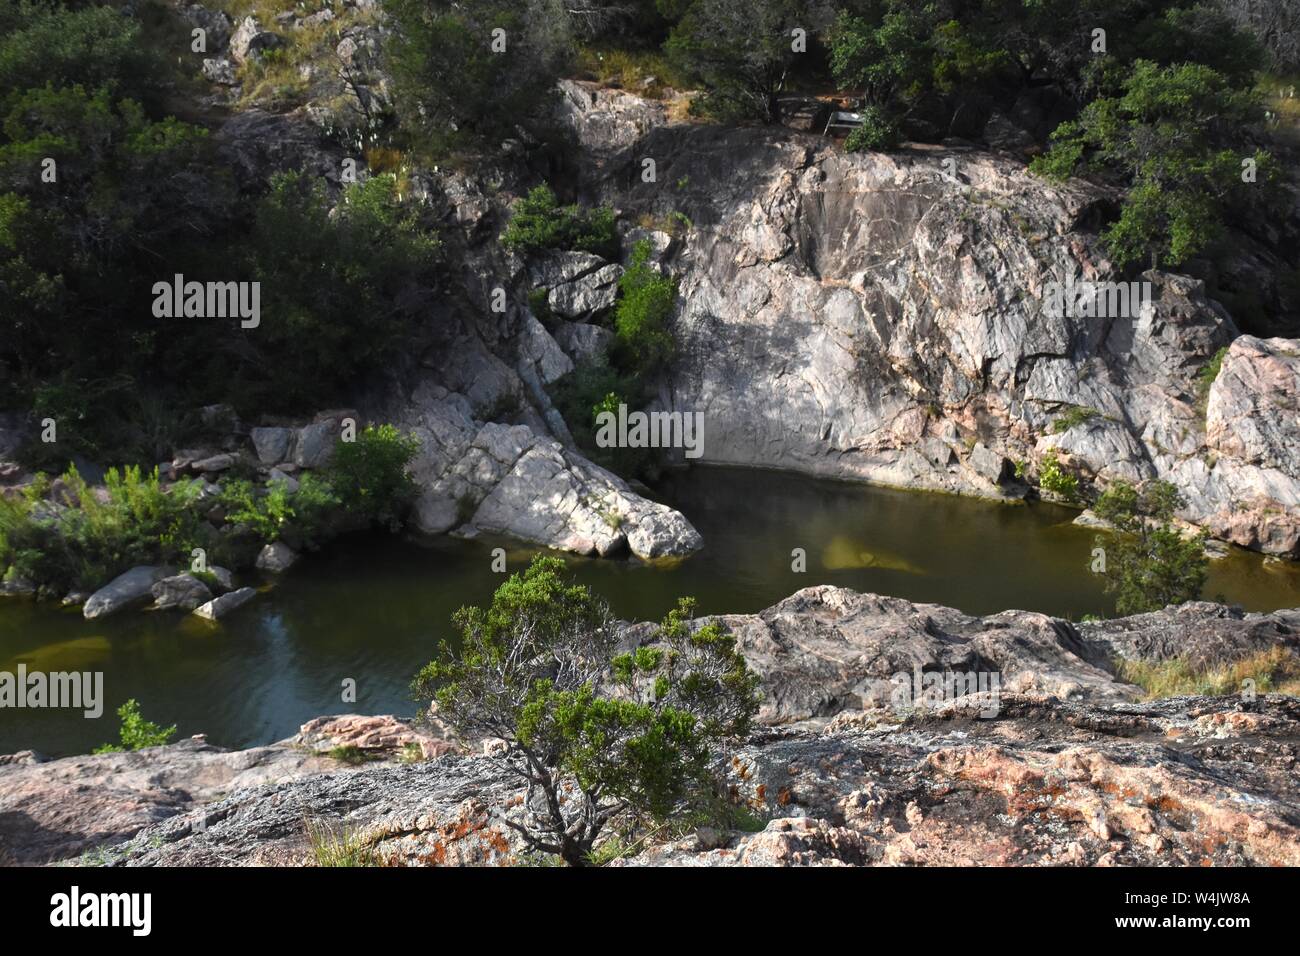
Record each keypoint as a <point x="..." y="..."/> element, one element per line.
<point x="219" y="607"/>
<point x="126" y="590"/>
<point x="886" y="317"/>
<point x="181" y="591"/>
<point x="1068" y="768"/>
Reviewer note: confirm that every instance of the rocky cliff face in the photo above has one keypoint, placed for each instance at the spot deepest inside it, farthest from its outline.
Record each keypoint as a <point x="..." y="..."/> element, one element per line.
<point x="1066" y="768"/>
<point x="886" y="317"/>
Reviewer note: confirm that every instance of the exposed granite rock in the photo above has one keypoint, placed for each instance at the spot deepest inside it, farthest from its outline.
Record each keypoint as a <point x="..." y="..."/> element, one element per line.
<point x="382" y="735"/>
<point x="250" y="41"/>
<point x="183" y="591"/>
<point x="216" y="24"/>
<point x="276" y="557"/>
<point x="870" y="316"/>
<point x="55" y="809"/>
<point x="584" y="343"/>
<point x="126" y="590"/>
<point x="1252" y="423"/>
<point x="513" y="480"/>
<point x="273" y="445"/>
<point x="1190" y="781"/>
<point x="219" y="607"/>
<point x="826" y="649"/>
<point x="845" y="778"/>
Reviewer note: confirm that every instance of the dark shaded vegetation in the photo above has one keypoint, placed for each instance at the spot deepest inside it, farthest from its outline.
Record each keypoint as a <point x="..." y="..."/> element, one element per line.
<point x="103" y="195"/>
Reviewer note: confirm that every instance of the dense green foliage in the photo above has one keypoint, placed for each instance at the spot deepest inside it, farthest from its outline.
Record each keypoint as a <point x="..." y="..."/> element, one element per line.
<point x="643" y="315"/>
<point x="321" y="272"/>
<point x="453" y="87"/>
<point x="84" y="538"/>
<point x="1054" y="478"/>
<point x="534" y="670"/>
<point x="83" y="43"/>
<point x="133" y="197"/>
<point x="136" y="733"/>
<point x="741" y="52"/>
<point x="539" y="223"/>
<point x="643" y="345"/>
<point x="1150" y="564"/>
<point x="302" y="516"/>
<point x="370" y="475"/>
<point x="1174" y="132"/>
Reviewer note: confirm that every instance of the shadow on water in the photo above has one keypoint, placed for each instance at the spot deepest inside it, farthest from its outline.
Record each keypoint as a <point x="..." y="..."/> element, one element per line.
<point x="372" y="608"/>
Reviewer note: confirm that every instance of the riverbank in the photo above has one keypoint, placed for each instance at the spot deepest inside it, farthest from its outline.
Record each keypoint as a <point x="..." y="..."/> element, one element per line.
<point x="1064" y="766"/>
<point x="371" y="606"/>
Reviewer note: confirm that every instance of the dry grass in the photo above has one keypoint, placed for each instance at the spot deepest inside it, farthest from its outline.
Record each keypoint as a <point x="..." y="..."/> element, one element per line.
<point x="1276" y="670"/>
<point x="630" y="69"/>
<point x="336" y="845"/>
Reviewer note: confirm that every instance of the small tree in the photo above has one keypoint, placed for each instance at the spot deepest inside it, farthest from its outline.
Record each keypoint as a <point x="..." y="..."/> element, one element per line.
<point x="643" y="316"/>
<point x="594" y="734"/>
<point x="1149" y="563"/>
<point x="1176" y="134"/>
<point x="370" y="474"/>
<point x="741" y="53"/>
<point x="136" y="732"/>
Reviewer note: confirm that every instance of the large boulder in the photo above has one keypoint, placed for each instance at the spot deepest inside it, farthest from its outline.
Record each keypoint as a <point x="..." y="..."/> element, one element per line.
<point x="515" y="480"/>
<point x="182" y="591"/>
<point x="276" y="557"/>
<point x="216" y="25"/>
<point x="589" y="295"/>
<point x="1252" y="426"/>
<point x="53" y="810"/>
<point x="273" y="445"/>
<point x="126" y="590"/>
<point x="379" y="736"/>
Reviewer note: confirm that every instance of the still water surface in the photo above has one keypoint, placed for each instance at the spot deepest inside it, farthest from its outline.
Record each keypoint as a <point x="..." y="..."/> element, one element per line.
<point x="372" y="607"/>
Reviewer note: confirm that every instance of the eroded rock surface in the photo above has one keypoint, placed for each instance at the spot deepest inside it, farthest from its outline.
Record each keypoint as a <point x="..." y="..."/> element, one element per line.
<point x="886" y="317"/>
<point x="1066" y="769"/>
<point x="1188" y="782"/>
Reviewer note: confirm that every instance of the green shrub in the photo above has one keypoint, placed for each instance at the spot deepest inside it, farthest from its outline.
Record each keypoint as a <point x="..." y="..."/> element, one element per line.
<point x="136" y="733"/>
<point x="1205" y="379"/>
<point x="877" y="132"/>
<point x="643" y="315"/>
<point x="1052" y="477"/>
<point x="1149" y="563"/>
<point x="331" y="282"/>
<point x="370" y="474"/>
<point x="540" y="223"/>
<point x="1180" y="132"/>
<point x="90" y="541"/>
<point x="1077" y="415"/>
<point x="272" y="512"/>
<point x="266" y="512"/>
<point x="527" y="671"/>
